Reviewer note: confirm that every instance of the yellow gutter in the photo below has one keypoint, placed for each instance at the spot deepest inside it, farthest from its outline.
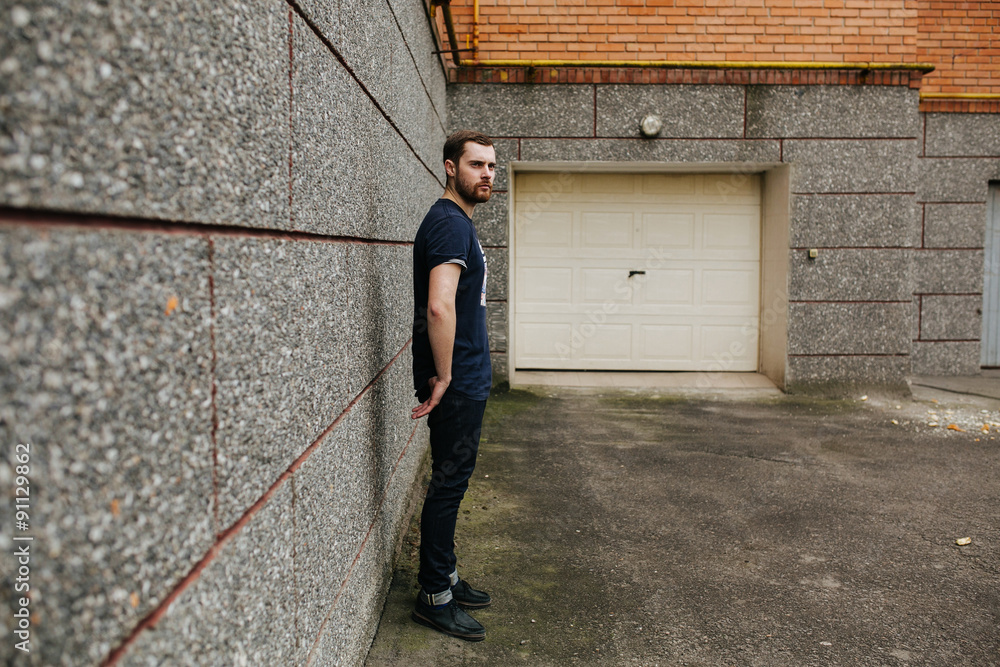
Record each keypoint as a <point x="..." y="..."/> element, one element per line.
<point x="960" y="96"/>
<point x="699" y="64"/>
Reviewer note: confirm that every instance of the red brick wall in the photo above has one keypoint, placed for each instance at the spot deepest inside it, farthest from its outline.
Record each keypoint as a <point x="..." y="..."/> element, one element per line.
<point x="799" y="30"/>
<point x="960" y="39"/>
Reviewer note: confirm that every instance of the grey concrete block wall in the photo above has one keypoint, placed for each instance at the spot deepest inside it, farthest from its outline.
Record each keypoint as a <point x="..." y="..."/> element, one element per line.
<point x="854" y="220"/>
<point x="710" y="112"/>
<point x="951" y="318"/>
<point x="948" y="225"/>
<point x="282" y="367"/>
<point x="250" y="579"/>
<point x="848" y="166"/>
<point x="961" y="156"/>
<point x="111" y="386"/>
<point x="831" y="111"/>
<point x="181" y="383"/>
<point x="868" y="274"/>
<point x="118" y="109"/>
<point x="962" y="134"/>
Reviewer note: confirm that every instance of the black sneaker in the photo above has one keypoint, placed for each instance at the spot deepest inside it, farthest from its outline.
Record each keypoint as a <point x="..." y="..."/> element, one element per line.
<point x="468" y="597"/>
<point x="450" y="620"/>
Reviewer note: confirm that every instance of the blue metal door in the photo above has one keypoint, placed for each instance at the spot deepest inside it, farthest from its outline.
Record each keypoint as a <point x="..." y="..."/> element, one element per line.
<point x="991" y="281"/>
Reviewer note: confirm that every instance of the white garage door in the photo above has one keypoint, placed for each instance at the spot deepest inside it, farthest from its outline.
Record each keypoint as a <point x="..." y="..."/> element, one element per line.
<point x="636" y="272"/>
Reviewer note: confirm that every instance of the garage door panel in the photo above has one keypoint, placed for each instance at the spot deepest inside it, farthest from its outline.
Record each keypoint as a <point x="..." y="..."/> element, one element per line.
<point x="667" y="287"/>
<point x="605" y="286"/>
<point x="731" y="232"/>
<point x="667" y="342"/>
<point x="546" y="229"/>
<point x="613" y="184"/>
<point x="729" y="287"/>
<point x="694" y="238"/>
<point x="607" y="342"/>
<point x="668" y="230"/>
<point x="606" y="229"/>
<point x="546" y="285"/>
<point x="733" y="348"/>
<point x="731" y="188"/>
<point x="548" y="342"/>
<point x="668" y="184"/>
<point x="552" y="182"/>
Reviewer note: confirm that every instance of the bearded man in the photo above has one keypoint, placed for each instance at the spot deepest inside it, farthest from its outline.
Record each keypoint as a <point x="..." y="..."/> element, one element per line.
<point x="451" y="374"/>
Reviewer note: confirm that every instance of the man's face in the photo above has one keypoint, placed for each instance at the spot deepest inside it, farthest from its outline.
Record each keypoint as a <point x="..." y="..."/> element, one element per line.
<point x="474" y="173"/>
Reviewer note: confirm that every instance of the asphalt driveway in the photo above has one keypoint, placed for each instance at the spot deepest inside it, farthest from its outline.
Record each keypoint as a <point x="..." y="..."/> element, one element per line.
<point x="724" y="530"/>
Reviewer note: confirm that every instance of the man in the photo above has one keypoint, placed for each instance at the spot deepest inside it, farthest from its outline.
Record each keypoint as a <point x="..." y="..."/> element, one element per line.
<point x="451" y="374"/>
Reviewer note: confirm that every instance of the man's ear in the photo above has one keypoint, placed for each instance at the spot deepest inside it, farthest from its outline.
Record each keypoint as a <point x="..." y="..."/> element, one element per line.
<point x="449" y="168"/>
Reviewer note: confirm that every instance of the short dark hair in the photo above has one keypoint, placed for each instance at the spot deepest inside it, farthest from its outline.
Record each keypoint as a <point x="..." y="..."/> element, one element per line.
<point x="454" y="145"/>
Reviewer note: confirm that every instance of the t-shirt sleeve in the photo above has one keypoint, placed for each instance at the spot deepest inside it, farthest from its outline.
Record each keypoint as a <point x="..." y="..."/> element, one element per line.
<point x="448" y="243"/>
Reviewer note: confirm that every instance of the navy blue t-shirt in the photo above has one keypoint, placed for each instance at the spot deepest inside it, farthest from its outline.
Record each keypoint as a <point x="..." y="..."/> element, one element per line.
<point x="447" y="235"/>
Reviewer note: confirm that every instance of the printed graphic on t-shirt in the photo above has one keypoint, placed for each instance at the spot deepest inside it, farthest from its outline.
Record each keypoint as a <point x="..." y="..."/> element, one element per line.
<point x="486" y="272"/>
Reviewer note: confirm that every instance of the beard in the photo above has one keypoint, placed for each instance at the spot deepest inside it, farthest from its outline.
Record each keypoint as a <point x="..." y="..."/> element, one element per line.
<point x="470" y="190"/>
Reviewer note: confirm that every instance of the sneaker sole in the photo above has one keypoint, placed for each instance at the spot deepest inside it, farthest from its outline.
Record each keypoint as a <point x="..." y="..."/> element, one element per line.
<point x="430" y="624"/>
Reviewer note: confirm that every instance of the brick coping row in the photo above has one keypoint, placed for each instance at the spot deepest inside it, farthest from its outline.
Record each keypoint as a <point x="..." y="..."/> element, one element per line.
<point x="848" y="76"/>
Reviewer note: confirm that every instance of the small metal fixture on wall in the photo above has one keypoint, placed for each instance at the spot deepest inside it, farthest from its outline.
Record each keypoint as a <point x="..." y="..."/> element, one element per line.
<point x="651" y="126"/>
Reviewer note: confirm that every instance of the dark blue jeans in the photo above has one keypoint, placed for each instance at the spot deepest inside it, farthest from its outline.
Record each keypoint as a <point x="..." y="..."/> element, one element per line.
<point x="455" y="423"/>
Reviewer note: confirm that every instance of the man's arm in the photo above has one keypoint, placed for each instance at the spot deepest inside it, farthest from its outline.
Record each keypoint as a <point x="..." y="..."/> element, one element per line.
<point x="440" y="330"/>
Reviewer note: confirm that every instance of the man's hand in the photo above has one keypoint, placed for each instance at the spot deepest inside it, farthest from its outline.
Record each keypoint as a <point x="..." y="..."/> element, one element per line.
<point x="438" y="387"/>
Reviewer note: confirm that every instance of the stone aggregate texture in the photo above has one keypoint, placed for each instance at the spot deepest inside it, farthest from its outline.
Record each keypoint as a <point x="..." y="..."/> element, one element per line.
<point x="111" y="386"/>
<point x="641" y="529"/>
<point x="959" y="161"/>
<point x="152" y="109"/>
<point x="206" y="216"/>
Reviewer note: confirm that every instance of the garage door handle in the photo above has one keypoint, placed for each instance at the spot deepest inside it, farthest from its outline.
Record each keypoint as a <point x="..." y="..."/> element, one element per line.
<point x="636" y="273"/>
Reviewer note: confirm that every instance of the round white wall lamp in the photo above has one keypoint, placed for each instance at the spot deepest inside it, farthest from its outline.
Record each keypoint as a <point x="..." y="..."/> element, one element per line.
<point x="651" y="125"/>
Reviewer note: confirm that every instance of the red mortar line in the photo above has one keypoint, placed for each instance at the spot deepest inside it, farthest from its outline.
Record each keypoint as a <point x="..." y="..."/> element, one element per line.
<point x="839" y="138"/>
<point x="84" y="221"/>
<point x="336" y="54"/>
<point x="154" y="616"/>
<point x="850" y="301"/>
<point x="291" y="113"/>
<point x="595" y="112"/>
<point x="642" y="139"/>
<point x="746" y="95"/>
<point x="858" y="354"/>
<point x="923" y="147"/>
<point x="415" y="66"/>
<point x="920" y="315"/>
<point x="947" y="340"/>
<point x="855" y="247"/>
<point x="949" y="248"/>
<point x="960" y="157"/>
<point x="361" y="549"/>
<point x="866" y="194"/>
<point x="215" y="389"/>
<point x="954" y="202"/>
<point x="947" y="294"/>
<point x="923" y="224"/>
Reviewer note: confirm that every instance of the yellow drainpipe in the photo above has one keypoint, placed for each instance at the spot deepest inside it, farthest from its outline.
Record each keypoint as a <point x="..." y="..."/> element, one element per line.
<point x="700" y="64"/>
